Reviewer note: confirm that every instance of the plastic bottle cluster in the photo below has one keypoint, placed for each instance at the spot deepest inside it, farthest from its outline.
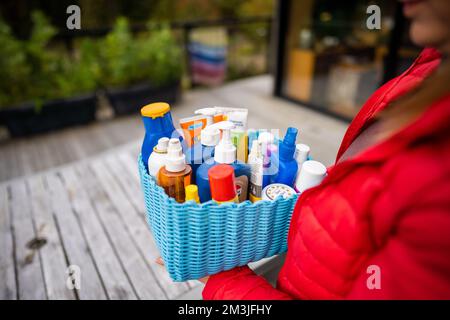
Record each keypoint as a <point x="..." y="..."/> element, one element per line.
<point x="215" y="157"/>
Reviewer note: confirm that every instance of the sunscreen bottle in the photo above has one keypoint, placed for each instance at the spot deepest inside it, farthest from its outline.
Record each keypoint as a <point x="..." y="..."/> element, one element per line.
<point x="222" y="183"/>
<point x="240" y="141"/>
<point x="301" y="155"/>
<point x="224" y="153"/>
<point x="158" y="123"/>
<point x="192" y="193"/>
<point x="176" y="174"/>
<point x="287" y="167"/>
<point x="252" y="135"/>
<point x="204" y="150"/>
<point x="158" y="157"/>
<point x="311" y="174"/>
<point x="192" y="128"/>
<point x="255" y="161"/>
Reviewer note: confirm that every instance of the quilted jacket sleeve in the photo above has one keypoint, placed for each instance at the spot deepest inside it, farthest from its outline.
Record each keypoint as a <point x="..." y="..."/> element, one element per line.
<point x="240" y="284"/>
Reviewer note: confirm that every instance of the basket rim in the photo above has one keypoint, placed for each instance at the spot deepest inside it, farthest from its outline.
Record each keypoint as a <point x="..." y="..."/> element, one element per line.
<point x="210" y="203"/>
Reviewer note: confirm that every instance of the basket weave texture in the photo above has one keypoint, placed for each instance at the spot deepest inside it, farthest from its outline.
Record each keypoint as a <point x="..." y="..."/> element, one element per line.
<point x="196" y="240"/>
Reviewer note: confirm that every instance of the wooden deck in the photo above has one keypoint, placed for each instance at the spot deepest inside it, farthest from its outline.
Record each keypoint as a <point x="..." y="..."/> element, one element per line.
<point x="89" y="214"/>
<point x="75" y="199"/>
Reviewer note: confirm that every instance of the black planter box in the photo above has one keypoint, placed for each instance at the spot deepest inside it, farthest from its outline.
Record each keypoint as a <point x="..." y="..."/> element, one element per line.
<point x="132" y="99"/>
<point x="56" y="114"/>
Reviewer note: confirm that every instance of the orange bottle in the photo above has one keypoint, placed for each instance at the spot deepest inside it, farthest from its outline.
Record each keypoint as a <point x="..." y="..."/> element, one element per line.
<point x="176" y="174"/>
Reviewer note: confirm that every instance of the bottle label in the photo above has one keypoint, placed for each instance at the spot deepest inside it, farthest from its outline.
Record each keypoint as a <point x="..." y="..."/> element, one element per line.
<point x="242" y="187"/>
<point x="256" y="180"/>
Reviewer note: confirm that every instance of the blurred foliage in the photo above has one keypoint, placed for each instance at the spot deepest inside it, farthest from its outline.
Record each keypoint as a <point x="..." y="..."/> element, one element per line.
<point x="36" y="70"/>
<point x="14" y="71"/>
<point x="153" y="57"/>
<point x="159" y="57"/>
<point x="103" y="13"/>
<point x="31" y="71"/>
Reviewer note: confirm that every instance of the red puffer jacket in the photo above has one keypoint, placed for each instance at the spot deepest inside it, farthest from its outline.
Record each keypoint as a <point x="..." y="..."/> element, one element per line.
<point x="388" y="207"/>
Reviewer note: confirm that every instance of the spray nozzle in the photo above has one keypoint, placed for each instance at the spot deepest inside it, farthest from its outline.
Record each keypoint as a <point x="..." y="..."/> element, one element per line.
<point x="291" y="136"/>
<point x="287" y="147"/>
<point x="175" y="161"/>
<point x="162" y="145"/>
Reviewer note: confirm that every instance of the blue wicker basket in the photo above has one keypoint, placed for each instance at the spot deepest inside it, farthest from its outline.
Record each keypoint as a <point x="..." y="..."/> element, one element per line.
<point x="196" y="240"/>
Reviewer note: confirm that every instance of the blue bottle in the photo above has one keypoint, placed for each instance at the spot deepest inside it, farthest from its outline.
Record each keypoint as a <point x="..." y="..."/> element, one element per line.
<point x="287" y="165"/>
<point x="252" y="135"/>
<point x="158" y="123"/>
<point x="225" y="152"/>
<point x="270" y="163"/>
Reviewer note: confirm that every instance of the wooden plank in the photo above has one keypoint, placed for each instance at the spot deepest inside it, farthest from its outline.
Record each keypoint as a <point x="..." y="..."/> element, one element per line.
<point x="76" y="144"/>
<point x="114" y="276"/>
<point x="8" y="290"/>
<point x="138" y="271"/>
<point x="24" y="153"/>
<point x="77" y="249"/>
<point x="5" y="162"/>
<point x="121" y="190"/>
<point x="29" y="273"/>
<point x="54" y="264"/>
<point x="126" y="175"/>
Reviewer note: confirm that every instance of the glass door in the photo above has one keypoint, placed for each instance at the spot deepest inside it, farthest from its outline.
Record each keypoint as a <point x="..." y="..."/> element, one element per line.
<point x="331" y="60"/>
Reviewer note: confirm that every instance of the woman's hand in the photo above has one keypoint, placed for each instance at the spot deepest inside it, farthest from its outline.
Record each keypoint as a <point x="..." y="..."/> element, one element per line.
<point x="161" y="263"/>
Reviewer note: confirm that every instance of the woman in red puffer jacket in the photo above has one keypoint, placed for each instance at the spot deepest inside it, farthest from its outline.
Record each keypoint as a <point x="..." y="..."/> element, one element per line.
<point x="378" y="227"/>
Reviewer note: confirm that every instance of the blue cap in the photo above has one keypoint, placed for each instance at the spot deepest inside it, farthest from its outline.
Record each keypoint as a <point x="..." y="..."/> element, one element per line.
<point x="287" y="147"/>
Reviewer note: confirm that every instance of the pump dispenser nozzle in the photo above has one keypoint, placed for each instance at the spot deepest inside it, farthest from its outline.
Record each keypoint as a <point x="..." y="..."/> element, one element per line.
<point x="175" y="161"/>
<point x="225" y="151"/>
<point x="287" y="147"/>
<point x="210" y="136"/>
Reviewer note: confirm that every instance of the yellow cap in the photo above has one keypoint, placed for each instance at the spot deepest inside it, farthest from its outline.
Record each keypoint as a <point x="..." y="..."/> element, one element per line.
<point x="192" y="193"/>
<point x="155" y="110"/>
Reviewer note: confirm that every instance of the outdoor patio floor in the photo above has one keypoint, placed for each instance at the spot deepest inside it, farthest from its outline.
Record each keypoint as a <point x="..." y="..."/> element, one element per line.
<point x="78" y="191"/>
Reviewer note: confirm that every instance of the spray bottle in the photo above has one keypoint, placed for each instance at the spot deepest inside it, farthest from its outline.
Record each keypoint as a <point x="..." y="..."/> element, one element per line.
<point x="204" y="151"/>
<point x="224" y="153"/>
<point x="287" y="167"/>
<point x="176" y="174"/>
<point x="269" y="151"/>
<point x="158" y="157"/>
<point x="255" y="161"/>
<point x="223" y="185"/>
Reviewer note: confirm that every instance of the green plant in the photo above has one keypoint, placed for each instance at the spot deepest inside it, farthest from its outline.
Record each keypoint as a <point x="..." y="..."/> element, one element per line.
<point x="14" y="71"/>
<point x="44" y="63"/>
<point x="153" y="57"/>
<point x="78" y="74"/>
<point x="32" y="71"/>
<point x="159" y="57"/>
<point x="117" y="55"/>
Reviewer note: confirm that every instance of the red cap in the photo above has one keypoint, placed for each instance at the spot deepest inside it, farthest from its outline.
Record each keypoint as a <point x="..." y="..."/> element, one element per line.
<point x="221" y="182"/>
